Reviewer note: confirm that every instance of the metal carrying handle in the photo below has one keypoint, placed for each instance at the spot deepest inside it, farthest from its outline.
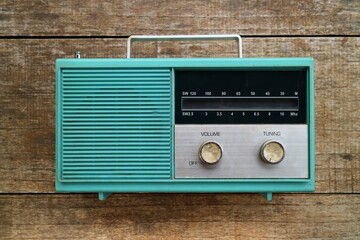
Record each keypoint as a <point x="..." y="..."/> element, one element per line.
<point x="182" y="37"/>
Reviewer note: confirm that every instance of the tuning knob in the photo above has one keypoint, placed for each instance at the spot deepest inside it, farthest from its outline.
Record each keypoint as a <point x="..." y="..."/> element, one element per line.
<point x="210" y="152"/>
<point x="272" y="152"/>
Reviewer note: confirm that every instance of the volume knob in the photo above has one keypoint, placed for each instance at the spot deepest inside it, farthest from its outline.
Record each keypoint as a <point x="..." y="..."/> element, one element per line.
<point x="210" y="152"/>
<point x="272" y="152"/>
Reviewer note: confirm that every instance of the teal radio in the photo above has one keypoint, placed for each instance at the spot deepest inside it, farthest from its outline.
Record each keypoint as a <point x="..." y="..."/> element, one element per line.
<point x="185" y="124"/>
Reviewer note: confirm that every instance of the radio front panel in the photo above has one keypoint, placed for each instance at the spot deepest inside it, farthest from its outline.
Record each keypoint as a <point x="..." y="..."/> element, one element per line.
<point x="240" y="110"/>
<point x="185" y="125"/>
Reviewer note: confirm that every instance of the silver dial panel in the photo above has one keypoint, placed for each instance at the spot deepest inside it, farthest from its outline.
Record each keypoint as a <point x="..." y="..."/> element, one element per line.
<point x="241" y="147"/>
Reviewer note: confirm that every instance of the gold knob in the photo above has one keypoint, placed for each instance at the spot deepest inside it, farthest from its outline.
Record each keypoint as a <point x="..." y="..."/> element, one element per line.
<point x="272" y="152"/>
<point x="210" y="152"/>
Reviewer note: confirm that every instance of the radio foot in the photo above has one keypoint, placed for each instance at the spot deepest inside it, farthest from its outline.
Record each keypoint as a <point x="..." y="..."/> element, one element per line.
<point x="267" y="195"/>
<point x="104" y="195"/>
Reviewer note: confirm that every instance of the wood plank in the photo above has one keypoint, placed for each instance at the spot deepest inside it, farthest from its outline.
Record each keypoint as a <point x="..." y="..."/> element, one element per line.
<point x="168" y="216"/>
<point x="124" y="18"/>
<point x="29" y="65"/>
<point x="27" y="106"/>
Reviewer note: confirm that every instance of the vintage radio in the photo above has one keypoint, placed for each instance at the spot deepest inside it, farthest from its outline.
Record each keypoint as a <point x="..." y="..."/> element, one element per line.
<point x="185" y="124"/>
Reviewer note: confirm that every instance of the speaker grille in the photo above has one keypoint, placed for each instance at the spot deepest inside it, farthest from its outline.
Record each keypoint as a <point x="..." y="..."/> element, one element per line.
<point x="116" y="124"/>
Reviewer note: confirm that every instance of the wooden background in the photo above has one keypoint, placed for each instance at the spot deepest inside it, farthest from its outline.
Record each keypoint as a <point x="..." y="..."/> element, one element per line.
<point x="34" y="33"/>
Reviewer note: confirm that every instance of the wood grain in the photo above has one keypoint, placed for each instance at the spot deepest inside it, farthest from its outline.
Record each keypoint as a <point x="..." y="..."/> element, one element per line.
<point x="124" y="18"/>
<point x="34" y="33"/>
<point x="27" y="106"/>
<point x="175" y="216"/>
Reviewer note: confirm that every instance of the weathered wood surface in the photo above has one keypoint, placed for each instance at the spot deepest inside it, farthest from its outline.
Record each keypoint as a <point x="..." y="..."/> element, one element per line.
<point x="27" y="118"/>
<point x="175" y="216"/>
<point x="34" y="33"/>
<point x="124" y="18"/>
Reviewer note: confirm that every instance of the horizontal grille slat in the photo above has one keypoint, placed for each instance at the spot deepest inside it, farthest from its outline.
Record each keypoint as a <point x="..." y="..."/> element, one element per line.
<point x="115" y="88"/>
<point x="85" y="80"/>
<point x="90" y="135"/>
<point x="128" y="156"/>
<point x="98" y="90"/>
<point x="116" y="143"/>
<point x="112" y="111"/>
<point x="115" y="70"/>
<point x="113" y="178"/>
<point x="146" y="139"/>
<point x="138" y="131"/>
<point x="82" y="169"/>
<point x="108" y="148"/>
<point x="82" y="99"/>
<point x="116" y="124"/>
<point x="132" y="151"/>
<point x="114" y="163"/>
<point x="116" y="107"/>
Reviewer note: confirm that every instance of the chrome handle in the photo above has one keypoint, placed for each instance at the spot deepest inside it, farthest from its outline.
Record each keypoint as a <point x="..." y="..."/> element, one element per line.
<point x="182" y="37"/>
